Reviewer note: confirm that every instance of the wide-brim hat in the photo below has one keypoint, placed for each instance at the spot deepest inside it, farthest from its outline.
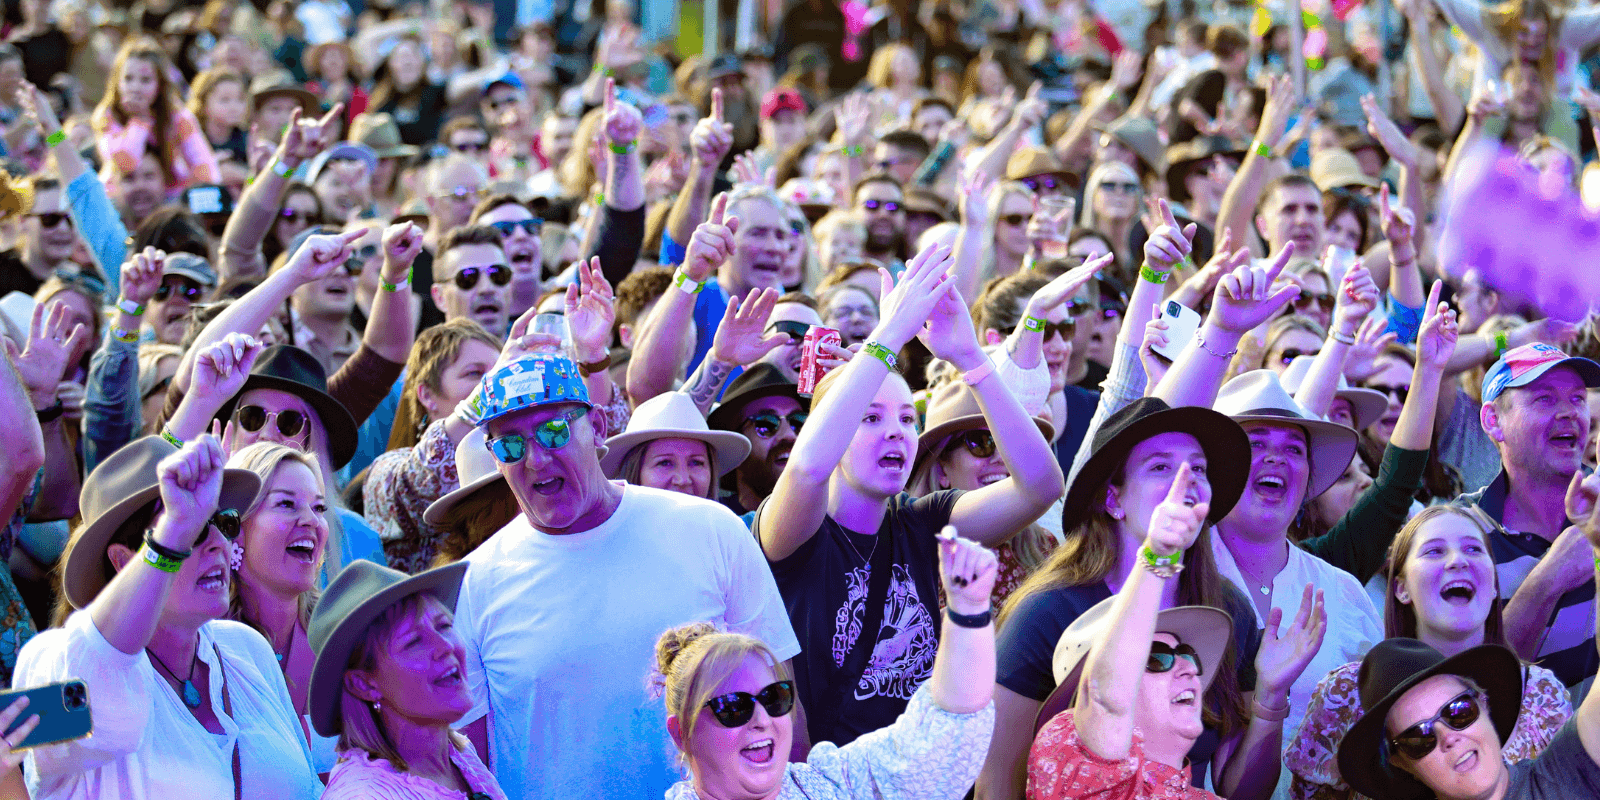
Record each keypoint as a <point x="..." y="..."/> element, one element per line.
<point x="1181" y="156"/>
<point x="953" y="408"/>
<point x="1226" y="447"/>
<point x="1392" y="668"/>
<point x="125" y="482"/>
<point x="1258" y="396"/>
<point x="475" y="466"/>
<point x="356" y="598"/>
<point x="1336" y="168"/>
<point x="672" y="415"/>
<point x="1030" y="161"/>
<point x="290" y="369"/>
<point x="279" y="83"/>
<point x="1366" y="406"/>
<point x="378" y="131"/>
<point x="761" y="380"/>
<point x="926" y="201"/>
<point x="1208" y="630"/>
<point x="1140" y="135"/>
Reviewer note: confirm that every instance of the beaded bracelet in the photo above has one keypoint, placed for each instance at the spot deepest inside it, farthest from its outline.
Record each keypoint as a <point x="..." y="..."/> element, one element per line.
<point x="1201" y="340"/>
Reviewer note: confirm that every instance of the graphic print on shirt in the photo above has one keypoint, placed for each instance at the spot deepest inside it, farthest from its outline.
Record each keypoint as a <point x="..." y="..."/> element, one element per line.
<point x="903" y="650"/>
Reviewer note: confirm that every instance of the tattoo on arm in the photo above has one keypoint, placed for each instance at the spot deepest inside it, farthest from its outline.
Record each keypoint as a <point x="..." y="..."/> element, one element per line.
<point x="707" y="379"/>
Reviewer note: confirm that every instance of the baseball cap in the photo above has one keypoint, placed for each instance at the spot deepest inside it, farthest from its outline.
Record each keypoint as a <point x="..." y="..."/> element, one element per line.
<point x="190" y="266"/>
<point x="725" y="64"/>
<point x="780" y="99"/>
<point x="342" y="151"/>
<point x="1525" y="364"/>
<point x="536" y="379"/>
<point x="508" y="78"/>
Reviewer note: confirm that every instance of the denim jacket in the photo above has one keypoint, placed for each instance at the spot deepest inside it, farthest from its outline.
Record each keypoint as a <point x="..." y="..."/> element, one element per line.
<point x="111" y="413"/>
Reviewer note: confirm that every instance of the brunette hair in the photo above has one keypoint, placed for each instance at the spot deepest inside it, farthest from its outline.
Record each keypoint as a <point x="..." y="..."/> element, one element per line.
<point x="692" y="661"/>
<point x="207" y="82"/>
<point x="633" y="465"/>
<point x="163" y="107"/>
<point x="1400" y="619"/>
<point x="434" y="351"/>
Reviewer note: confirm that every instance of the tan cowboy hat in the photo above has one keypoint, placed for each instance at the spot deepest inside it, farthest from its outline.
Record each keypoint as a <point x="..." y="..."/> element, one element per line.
<point x="279" y="82"/>
<point x="113" y="493"/>
<point x="352" y="602"/>
<point x="952" y="409"/>
<point x="475" y="466"/>
<point x="1366" y="405"/>
<point x="1208" y="630"/>
<point x="1140" y="135"/>
<point x="1258" y="396"/>
<point x="378" y="130"/>
<point x="1336" y="168"/>
<point x="672" y="415"/>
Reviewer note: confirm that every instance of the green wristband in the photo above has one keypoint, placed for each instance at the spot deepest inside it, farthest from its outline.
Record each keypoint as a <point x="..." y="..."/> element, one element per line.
<point x="172" y="440"/>
<point x="1151" y="275"/>
<point x="162" y="558"/>
<point x="55" y="138"/>
<point x="883" y="354"/>
<point x="623" y="149"/>
<point x="394" y="287"/>
<point x="1501" y="344"/>
<point x="1261" y="149"/>
<point x="1032" y="324"/>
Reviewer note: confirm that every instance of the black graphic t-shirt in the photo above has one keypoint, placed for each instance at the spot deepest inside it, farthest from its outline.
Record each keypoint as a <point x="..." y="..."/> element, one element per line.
<point x="824" y="585"/>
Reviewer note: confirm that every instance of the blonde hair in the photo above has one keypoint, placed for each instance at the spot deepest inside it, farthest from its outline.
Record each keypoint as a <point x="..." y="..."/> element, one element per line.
<point x="1106" y="171"/>
<point x="434" y="351"/>
<point x="264" y="459"/>
<point x="693" y="660"/>
<point x="880" y="71"/>
<point x="16" y="195"/>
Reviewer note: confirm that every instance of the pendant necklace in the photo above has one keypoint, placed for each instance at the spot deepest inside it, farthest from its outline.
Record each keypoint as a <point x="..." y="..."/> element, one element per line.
<point x="191" y="693"/>
<point x="866" y="559"/>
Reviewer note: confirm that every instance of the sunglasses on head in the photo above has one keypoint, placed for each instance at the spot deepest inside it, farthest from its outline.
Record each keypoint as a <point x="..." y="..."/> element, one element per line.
<point x="766" y="423"/>
<point x="1306" y="300"/>
<point x="1417" y="741"/>
<point x="736" y="708"/>
<point x="888" y="206"/>
<point x="980" y="443"/>
<point x="297" y="216"/>
<point x="552" y="434"/>
<point x="1016" y="220"/>
<point x="1163" y="657"/>
<point x="1397" y="392"/>
<point x="291" y="423"/>
<point x="467" y="279"/>
<point x="189" y="289"/>
<point x="1065" y="329"/>
<point x="796" y="331"/>
<point x="531" y="226"/>
<point x="1293" y="353"/>
<point x="50" y="219"/>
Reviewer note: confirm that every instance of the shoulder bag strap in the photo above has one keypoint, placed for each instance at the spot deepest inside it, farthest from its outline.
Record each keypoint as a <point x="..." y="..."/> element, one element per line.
<point x="860" y="655"/>
<point x="227" y="708"/>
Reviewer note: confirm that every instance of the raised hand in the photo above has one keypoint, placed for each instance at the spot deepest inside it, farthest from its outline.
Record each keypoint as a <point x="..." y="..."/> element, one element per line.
<point x="1399" y="223"/>
<point x="323" y="253"/>
<point x="711" y="243"/>
<point x="712" y="136"/>
<point x="1486" y="102"/>
<point x="1282" y="99"/>
<point x="590" y="313"/>
<point x="906" y="305"/>
<point x="853" y="118"/>
<point x="141" y="275"/>
<point x="1201" y="284"/>
<point x="949" y="334"/>
<point x="747" y="171"/>
<point x="1388" y="134"/>
<point x="623" y="123"/>
<point x="1169" y="245"/>
<point x="1126" y="69"/>
<point x="303" y="139"/>
<point x="1177" y="520"/>
<point x="1356" y="300"/>
<point x="968" y="571"/>
<point x="1583" y="505"/>
<point x="402" y="242"/>
<point x="36" y="106"/>
<point x="1436" y="341"/>
<point x="1065" y="286"/>
<point x="221" y="369"/>
<point x="1031" y="110"/>
<point x="1361" y="362"/>
<point x="190" y="481"/>
<point x="976" y="198"/>
<point x="1284" y="653"/>
<point x="51" y="343"/>
<point x="1245" y="297"/>
<point x="738" y="339"/>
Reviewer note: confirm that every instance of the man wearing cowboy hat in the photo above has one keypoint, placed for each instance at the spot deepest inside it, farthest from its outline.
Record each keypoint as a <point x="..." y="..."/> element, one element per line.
<point x="1535" y="408"/>
<point x="765" y="406"/>
<point x="561" y="609"/>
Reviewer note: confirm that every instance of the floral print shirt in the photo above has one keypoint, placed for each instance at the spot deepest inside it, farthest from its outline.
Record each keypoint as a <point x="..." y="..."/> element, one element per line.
<point x="1060" y="766"/>
<point x="1335" y="706"/>
<point x="400" y="486"/>
<point x="360" y="776"/>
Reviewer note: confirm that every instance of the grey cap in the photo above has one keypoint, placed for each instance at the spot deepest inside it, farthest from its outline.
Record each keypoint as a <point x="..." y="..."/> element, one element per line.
<point x="190" y="266"/>
<point x="342" y="151"/>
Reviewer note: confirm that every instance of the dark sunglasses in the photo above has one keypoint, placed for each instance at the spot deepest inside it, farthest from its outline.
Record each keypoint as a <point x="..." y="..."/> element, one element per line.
<point x="766" y="423"/>
<point x="552" y="434"/>
<point x="1163" y="657"/>
<point x="1016" y="220"/>
<point x="736" y="708"/>
<point x="253" y="418"/>
<point x="225" y="520"/>
<point x="189" y="289"/>
<point x="531" y="226"/>
<point x="470" y="147"/>
<point x="50" y="219"/>
<point x="1120" y="186"/>
<point x="467" y="279"/>
<point x="1042" y="183"/>
<point x="796" y="331"/>
<point x="980" y="443"/>
<point x="888" y="206"/>
<point x="295" y="215"/>
<point x="1294" y="352"/>
<point x="1065" y="328"/>
<point x="1397" y="392"/>
<point x="1417" y="741"/>
<point x="358" y="260"/>
<point x="1306" y="300"/>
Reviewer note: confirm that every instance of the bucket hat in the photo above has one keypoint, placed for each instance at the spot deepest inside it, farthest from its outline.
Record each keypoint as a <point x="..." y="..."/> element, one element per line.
<point x="1258" y="396"/>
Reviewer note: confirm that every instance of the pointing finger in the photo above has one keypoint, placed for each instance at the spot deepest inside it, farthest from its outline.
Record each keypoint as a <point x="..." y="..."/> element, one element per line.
<point x="716" y="105"/>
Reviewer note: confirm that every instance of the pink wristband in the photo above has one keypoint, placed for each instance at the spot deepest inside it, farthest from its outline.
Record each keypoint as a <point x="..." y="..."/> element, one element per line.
<point x="978" y="373"/>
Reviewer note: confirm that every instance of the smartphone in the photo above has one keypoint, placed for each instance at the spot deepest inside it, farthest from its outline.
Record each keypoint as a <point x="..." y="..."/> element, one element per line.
<point x="206" y="200"/>
<point x="1340" y="261"/>
<point x="1182" y="324"/>
<point x="63" y="710"/>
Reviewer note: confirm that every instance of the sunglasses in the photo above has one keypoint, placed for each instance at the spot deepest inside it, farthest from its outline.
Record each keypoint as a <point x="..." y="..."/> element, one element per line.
<point x="1397" y="392"/>
<point x="297" y="216"/>
<point x="1016" y="220"/>
<point x="189" y="289"/>
<point x="1293" y="353"/>
<point x="796" y="331"/>
<point x="766" y="423"/>
<point x="1065" y="329"/>
<point x="1417" y="741"/>
<point x="225" y="520"/>
<point x="980" y="443"/>
<point x="552" y="434"/>
<point x="470" y="147"/>
<point x="531" y="226"/>
<point x="50" y="219"/>
<point x="736" y="708"/>
<point x="888" y="206"/>
<point x="467" y="279"/>
<point x="1043" y="183"/>
<point x="253" y="418"/>
<point x="1306" y="300"/>
<point x="358" y="260"/>
<point x="1124" y="187"/>
<point x="1163" y="657"/>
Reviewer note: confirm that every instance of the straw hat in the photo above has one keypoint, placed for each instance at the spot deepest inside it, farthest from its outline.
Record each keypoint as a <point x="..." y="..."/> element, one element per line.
<point x="378" y="131"/>
<point x="1366" y="405"/>
<point x="279" y="83"/>
<point x="672" y="415"/>
<point x="1258" y="396"/>
<point x="953" y="408"/>
<point x="1335" y="168"/>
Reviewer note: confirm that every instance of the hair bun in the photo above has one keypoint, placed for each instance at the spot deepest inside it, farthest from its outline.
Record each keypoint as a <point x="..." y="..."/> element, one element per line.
<point x="671" y="645"/>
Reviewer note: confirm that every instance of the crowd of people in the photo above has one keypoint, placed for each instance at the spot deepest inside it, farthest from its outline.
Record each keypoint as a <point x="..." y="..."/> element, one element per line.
<point x="413" y="399"/>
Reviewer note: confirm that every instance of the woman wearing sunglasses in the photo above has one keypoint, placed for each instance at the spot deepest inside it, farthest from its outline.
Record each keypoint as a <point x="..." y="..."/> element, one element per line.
<point x="388" y="683"/>
<point x="1111" y="203"/>
<point x="1443" y="591"/>
<point x="730" y="710"/>
<point x="185" y="702"/>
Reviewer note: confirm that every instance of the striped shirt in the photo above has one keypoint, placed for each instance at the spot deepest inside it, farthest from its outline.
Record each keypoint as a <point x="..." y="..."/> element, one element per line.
<point x="1568" y="647"/>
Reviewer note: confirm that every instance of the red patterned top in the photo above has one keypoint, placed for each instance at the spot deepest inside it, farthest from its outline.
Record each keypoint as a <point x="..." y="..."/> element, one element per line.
<point x="1060" y="767"/>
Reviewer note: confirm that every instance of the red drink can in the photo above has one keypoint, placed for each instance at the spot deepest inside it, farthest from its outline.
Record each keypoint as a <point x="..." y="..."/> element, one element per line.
<point x="811" y="370"/>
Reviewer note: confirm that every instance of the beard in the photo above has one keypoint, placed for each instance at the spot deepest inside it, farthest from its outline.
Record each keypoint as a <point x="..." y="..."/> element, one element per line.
<point x="761" y="476"/>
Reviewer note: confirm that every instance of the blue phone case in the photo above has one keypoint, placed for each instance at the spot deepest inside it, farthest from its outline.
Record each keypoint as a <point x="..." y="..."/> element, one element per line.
<point x="63" y="710"/>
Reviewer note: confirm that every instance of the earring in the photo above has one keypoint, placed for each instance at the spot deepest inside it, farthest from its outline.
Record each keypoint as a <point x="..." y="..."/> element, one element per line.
<point x="377" y="705"/>
<point x="1116" y="514"/>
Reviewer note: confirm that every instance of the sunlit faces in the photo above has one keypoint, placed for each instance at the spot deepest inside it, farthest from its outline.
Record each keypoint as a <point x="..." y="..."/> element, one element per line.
<point x="1448" y="578"/>
<point x="768" y="454"/>
<point x="405" y="63"/>
<point x="562" y="489"/>
<point x="1292" y="213"/>
<point x="963" y="465"/>
<point x="1290" y="344"/>
<point x="930" y="119"/>
<point x="420" y="670"/>
<point x="522" y="246"/>
<point x="1341" y="496"/>
<point x="484" y="300"/>
<point x="285" y="535"/>
<point x="334" y="296"/>
<point x="843" y="243"/>
<point x="881" y="206"/>
<point x="878" y="463"/>
<point x="345" y="187"/>
<point x="1465" y="763"/>
<point x="1116" y="196"/>
<point x="1280" y="472"/>
<point x="1011" y="225"/>
<point x="226" y="104"/>
<point x="273" y="115"/>
<point x="200" y="591"/>
<point x="787" y="356"/>
<point x="1543" y="425"/>
<point x="471" y="363"/>
<point x="300" y="211"/>
<point x="747" y="761"/>
<point x="52" y="243"/>
<point x="138" y="86"/>
<point x="1476" y="301"/>
<point x="1345" y="231"/>
<point x="143" y="189"/>
<point x="1148" y="473"/>
<point x="453" y="192"/>
<point x="274" y="402"/>
<point x="760" y="246"/>
<point x="783" y="130"/>
<point x="676" y="465"/>
<point x="1393" y="378"/>
<point x="168" y="316"/>
<point x="1170" y="703"/>
<point x="852" y="311"/>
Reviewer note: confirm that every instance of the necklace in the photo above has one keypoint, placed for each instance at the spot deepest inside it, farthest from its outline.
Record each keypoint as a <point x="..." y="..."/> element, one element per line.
<point x="866" y="560"/>
<point x="1264" y="587"/>
<point x="283" y="657"/>
<point x="191" y="693"/>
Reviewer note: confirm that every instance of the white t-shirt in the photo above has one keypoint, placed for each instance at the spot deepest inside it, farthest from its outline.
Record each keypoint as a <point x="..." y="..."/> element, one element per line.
<point x="560" y="633"/>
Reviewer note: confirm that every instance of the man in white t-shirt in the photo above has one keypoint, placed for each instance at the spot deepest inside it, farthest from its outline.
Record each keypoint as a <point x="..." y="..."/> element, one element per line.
<point x="560" y="611"/>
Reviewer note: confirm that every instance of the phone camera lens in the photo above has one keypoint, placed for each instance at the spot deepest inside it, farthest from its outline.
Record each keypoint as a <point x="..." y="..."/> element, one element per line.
<point x="74" y="695"/>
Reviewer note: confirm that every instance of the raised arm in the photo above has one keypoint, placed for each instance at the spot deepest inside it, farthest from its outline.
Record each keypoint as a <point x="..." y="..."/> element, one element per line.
<point x="799" y="502"/>
<point x="1583" y="504"/>
<point x="1124" y="76"/>
<point x="240" y="252"/>
<point x="1239" y="200"/>
<point x="1357" y="298"/>
<point x="617" y="232"/>
<point x="111" y="412"/>
<point x="976" y="220"/>
<point x="710" y="141"/>
<point x="589" y="313"/>
<point x="52" y="339"/>
<point x="1447" y="106"/>
<point x="991" y="160"/>
<point x="97" y="219"/>
<point x="656" y="354"/>
<point x="391" y="329"/>
<point x="964" y="665"/>
<point x="738" y="342"/>
<point x="220" y="371"/>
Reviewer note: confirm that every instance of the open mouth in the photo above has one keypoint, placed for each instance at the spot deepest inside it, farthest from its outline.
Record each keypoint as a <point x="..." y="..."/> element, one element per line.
<point x="303" y="549"/>
<point x="758" y="752"/>
<point x="994" y="477"/>
<point x="214" y="579"/>
<point x="548" y="487"/>
<point x="1565" y="441"/>
<point x="1467" y="761"/>
<point x="486" y="309"/>
<point x="450" y="679"/>
<point x="1187" y="697"/>
<point x="1458" y="592"/>
<point x="892" y="462"/>
<point x="1271" y="487"/>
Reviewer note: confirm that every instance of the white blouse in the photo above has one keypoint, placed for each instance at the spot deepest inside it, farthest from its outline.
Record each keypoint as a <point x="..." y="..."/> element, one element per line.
<point x="146" y="744"/>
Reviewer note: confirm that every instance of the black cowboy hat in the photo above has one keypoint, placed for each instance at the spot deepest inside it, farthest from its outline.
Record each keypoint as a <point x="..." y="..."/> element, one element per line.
<point x="1226" y="447"/>
<point x="1394" y="667"/>
<point x="761" y="380"/>
<point x="293" y="370"/>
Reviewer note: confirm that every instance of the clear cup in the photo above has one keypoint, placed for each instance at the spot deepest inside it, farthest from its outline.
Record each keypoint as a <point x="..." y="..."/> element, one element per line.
<point x="1054" y="207"/>
<point x="553" y="325"/>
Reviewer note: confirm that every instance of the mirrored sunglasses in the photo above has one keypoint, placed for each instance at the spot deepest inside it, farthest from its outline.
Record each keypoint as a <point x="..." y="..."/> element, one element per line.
<point x="1163" y="657"/>
<point x="467" y="279"/>
<point x="1417" y="741"/>
<point x="766" y="423"/>
<point x="552" y="434"/>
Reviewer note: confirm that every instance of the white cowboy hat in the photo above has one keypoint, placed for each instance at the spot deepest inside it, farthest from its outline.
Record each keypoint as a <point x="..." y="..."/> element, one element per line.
<point x="673" y="416"/>
<point x="475" y="466"/>
<point x="1366" y="405"/>
<point x="1258" y="396"/>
